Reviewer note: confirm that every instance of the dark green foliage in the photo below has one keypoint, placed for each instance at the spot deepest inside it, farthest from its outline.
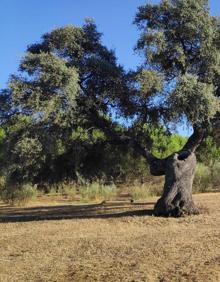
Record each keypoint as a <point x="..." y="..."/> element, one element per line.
<point x="180" y="41"/>
<point x="64" y="79"/>
<point x="18" y="194"/>
<point x="2" y="139"/>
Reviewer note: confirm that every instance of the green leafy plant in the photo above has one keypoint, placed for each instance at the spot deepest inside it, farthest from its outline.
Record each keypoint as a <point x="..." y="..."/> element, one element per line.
<point x="19" y="195"/>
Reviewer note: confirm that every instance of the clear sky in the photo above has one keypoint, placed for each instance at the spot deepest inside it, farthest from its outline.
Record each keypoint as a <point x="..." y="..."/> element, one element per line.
<point x="22" y="22"/>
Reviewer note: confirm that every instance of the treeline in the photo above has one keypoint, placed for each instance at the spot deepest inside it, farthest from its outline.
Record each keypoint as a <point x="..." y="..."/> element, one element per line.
<point x="92" y="158"/>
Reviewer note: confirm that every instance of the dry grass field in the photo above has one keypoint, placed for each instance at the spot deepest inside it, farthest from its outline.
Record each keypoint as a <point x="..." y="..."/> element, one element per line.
<point x="109" y="242"/>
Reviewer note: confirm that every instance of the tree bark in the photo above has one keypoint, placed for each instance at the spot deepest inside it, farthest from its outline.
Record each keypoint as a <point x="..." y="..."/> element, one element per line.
<point x="179" y="174"/>
<point x="177" y="195"/>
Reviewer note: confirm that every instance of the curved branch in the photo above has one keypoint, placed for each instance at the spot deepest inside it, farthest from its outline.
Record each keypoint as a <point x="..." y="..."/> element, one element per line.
<point x="194" y="140"/>
<point x="157" y="166"/>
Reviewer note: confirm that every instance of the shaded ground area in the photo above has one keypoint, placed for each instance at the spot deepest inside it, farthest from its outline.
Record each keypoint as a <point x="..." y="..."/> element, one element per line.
<point x="109" y="242"/>
<point x="83" y="211"/>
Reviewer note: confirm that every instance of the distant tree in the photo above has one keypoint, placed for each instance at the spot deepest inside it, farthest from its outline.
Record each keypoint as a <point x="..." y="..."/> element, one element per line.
<point x="64" y="80"/>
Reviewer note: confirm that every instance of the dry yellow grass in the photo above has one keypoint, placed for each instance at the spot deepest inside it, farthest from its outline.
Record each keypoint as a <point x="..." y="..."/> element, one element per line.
<point x="109" y="243"/>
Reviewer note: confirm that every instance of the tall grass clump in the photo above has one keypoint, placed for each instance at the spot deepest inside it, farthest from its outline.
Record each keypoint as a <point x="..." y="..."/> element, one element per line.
<point x="216" y="176"/>
<point x="2" y="185"/>
<point x="96" y="191"/>
<point x="146" y="190"/>
<point x="203" y="181"/>
<point x="140" y="192"/>
<point x="70" y="190"/>
<point x="15" y="195"/>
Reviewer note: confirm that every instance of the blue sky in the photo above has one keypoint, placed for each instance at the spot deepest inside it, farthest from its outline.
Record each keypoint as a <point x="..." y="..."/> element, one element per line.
<point x="22" y="22"/>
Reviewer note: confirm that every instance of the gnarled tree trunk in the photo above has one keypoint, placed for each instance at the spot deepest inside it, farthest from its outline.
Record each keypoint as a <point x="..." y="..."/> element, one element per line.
<point x="179" y="169"/>
<point x="177" y="195"/>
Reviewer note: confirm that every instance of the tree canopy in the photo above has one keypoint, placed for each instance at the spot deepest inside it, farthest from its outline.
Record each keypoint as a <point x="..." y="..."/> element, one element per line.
<point x="67" y="83"/>
<point x="180" y="42"/>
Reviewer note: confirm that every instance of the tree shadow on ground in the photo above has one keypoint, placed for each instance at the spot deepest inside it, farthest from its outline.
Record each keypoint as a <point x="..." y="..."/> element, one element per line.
<point x="102" y="210"/>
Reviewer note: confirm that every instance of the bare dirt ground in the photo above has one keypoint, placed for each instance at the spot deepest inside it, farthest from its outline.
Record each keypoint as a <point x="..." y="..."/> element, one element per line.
<point x="109" y="242"/>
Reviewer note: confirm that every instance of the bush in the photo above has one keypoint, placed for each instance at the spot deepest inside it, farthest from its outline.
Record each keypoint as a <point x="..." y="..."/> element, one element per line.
<point x="146" y="190"/>
<point x="140" y="192"/>
<point x="69" y="189"/>
<point x="98" y="191"/>
<point x="215" y="173"/>
<point x="203" y="178"/>
<point x="19" y="195"/>
<point x="2" y="184"/>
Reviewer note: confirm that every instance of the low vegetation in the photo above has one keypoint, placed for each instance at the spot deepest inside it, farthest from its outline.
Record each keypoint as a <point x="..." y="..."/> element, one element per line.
<point x="19" y="195"/>
<point x="206" y="180"/>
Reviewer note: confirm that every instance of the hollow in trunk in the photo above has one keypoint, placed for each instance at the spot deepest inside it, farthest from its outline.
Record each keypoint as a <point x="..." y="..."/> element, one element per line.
<point x="177" y="195"/>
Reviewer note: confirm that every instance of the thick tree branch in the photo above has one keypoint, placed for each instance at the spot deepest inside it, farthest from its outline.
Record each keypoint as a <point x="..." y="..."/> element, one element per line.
<point x="194" y="140"/>
<point x="157" y="166"/>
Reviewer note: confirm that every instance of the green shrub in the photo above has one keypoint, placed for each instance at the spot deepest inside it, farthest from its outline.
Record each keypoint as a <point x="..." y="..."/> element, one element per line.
<point x="146" y="190"/>
<point x="69" y="189"/>
<point x="2" y="184"/>
<point x="98" y="191"/>
<point x="140" y="192"/>
<point x="215" y="176"/>
<point x="203" y="178"/>
<point x="19" y="195"/>
<point x="156" y="189"/>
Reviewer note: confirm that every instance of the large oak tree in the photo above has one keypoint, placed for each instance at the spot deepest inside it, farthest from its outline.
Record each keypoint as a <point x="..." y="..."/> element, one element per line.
<point x="180" y="43"/>
<point x="70" y="80"/>
<point x="67" y="83"/>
